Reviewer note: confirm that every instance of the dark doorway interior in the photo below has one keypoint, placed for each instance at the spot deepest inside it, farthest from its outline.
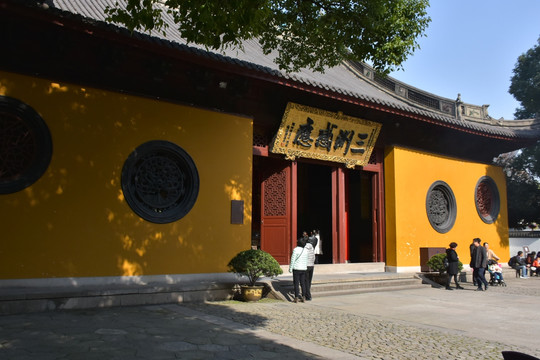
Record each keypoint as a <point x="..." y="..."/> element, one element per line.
<point x="314" y="204"/>
<point x="360" y="213"/>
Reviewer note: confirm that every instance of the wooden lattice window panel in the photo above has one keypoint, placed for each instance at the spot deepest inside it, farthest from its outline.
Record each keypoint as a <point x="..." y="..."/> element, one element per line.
<point x="441" y="207"/>
<point x="160" y="181"/>
<point x="260" y="140"/>
<point x="275" y="196"/>
<point x="373" y="157"/>
<point x="487" y="199"/>
<point x="25" y="145"/>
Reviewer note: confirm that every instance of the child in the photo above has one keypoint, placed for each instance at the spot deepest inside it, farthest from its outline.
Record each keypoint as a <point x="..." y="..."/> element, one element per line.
<point x="535" y="268"/>
<point x="496" y="271"/>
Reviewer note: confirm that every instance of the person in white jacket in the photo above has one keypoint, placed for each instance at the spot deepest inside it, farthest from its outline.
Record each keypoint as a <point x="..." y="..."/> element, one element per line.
<point x="317" y="246"/>
<point x="298" y="267"/>
<point x="310" y="268"/>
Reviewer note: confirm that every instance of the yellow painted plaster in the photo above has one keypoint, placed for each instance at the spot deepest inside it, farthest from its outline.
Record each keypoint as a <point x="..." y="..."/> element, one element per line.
<point x="74" y="220"/>
<point x="408" y="176"/>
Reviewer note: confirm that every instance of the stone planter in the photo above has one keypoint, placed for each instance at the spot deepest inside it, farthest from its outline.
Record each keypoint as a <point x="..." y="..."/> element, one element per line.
<point x="437" y="277"/>
<point x="440" y="279"/>
<point x="252" y="293"/>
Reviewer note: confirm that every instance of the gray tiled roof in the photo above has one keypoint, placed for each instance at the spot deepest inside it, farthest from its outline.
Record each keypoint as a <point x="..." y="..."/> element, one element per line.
<point x="523" y="234"/>
<point x="341" y="79"/>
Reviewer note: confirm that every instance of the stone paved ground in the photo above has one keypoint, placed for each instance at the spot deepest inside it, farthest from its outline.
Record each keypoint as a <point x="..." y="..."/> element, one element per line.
<point x="372" y="337"/>
<point x="363" y="326"/>
<point x="359" y="335"/>
<point x="140" y="332"/>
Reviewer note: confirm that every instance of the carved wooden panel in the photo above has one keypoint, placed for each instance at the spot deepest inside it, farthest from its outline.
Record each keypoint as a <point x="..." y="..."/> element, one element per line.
<point x="275" y="209"/>
<point x="275" y="197"/>
<point x="487" y="199"/>
<point x="441" y="207"/>
<point x="25" y="145"/>
<point x="160" y="181"/>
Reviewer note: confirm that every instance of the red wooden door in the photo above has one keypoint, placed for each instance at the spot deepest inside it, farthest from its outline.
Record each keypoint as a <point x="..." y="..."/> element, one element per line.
<point x="276" y="209"/>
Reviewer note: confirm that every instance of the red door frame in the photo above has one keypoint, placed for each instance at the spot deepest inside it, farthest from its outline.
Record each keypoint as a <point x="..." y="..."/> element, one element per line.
<point x="340" y="251"/>
<point x="377" y="195"/>
<point x="339" y="211"/>
<point x="294" y="204"/>
<point x="339" y="217"/>
<point x="276" y="228"/>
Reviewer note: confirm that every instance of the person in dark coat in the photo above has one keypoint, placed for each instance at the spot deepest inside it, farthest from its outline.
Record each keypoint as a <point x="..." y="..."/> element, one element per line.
<point x="453" y="266"/>
<point x="471" y="249"/>
<point x="479" y="264"/>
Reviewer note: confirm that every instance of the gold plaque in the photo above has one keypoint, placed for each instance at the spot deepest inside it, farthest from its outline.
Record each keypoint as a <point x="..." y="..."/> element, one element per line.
<point x="318" y="134"/>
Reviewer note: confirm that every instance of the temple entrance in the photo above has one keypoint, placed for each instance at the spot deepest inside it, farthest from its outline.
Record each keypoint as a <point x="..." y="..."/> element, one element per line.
<point x="359" y="209"/>
<point x="346" y="206"/>
<point x="314" y="204"/>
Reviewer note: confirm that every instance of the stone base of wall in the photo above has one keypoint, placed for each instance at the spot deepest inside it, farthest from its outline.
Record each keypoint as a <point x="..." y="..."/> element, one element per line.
<point x="38" y="295"/>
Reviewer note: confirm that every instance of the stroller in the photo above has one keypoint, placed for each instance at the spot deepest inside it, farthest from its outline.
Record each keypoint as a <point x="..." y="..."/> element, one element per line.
<point x="495" y="273"/>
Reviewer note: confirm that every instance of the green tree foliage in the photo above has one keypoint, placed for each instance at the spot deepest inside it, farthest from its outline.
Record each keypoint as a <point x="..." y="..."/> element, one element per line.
<point x="254" y="264"/>
<point x="525" y="83"/>
<point x="305" y="33"/>
<point x="523" y="167"/>
<point x="523" y="187"/>
<point x="436" y="263"/>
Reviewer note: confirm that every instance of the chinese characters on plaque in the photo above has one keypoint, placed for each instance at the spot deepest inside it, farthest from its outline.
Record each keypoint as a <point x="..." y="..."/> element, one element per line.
<point x="317" y="134"/>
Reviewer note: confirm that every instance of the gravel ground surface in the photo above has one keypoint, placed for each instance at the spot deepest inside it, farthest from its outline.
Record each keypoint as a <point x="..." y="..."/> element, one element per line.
<point x="375" y="336"/>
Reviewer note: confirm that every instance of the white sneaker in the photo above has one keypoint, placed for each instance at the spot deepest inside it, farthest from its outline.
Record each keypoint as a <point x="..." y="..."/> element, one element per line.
<point x="523" y="277"/>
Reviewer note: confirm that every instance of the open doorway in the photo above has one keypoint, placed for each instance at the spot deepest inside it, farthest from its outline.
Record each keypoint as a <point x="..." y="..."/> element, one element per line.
<point x="359" y="209"/>
<point x="314" y="204"/>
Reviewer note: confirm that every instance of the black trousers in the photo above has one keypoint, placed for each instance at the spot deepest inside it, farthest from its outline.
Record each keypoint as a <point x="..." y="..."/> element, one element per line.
<point x="480" y="275"/>
<point x="449" y="280"/>
<point x="309" y="277"/>
<point x="299" y="281"/>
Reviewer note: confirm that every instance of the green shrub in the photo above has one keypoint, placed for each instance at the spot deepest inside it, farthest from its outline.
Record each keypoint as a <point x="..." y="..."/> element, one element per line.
<point x="436" y="263"/>
<point x="254" y="264"/>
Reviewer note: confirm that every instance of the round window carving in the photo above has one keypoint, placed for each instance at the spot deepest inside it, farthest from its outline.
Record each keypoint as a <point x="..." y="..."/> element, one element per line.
<point x="25" y="145"/>
<point x="441" y="207"/>
<point x="160" y="181"/>
<point x="487" y="199"/>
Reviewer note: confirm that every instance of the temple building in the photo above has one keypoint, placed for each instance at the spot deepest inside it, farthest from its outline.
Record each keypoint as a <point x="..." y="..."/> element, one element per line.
<point x="137" y="155"/>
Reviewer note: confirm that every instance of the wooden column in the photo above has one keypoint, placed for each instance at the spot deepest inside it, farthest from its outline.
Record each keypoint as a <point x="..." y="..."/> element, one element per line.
<point x="339" y="225"/>
<point x="377" y="193"/>
<point x="294" y="203"/>
<point x="342" y="216"/>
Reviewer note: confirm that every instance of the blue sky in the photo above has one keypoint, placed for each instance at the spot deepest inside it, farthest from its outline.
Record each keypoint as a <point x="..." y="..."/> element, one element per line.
<point x="471" y="48"/>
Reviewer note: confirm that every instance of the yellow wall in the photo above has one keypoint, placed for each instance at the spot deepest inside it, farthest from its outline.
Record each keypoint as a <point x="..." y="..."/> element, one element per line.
<point x="74" y="221"/>
<point x="408" y="176"/>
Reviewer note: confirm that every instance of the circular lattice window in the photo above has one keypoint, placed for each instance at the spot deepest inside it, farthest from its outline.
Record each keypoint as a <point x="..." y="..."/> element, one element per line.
<point x="441" y="207"/>
<point x="25" y="145"/>
<point x="487" y="199"/>
<point x="160" y="181"/>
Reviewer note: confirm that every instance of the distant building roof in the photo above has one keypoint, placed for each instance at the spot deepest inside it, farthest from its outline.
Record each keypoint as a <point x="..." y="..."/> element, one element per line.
<point x="523" y="234"/>
<point x="353" y="79"/>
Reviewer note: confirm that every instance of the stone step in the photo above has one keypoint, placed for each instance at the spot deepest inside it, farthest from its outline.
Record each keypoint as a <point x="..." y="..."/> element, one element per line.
<point x="25" y="296"/>
<point x="362" y="285"/>
<point x="344" y="284"/>
<point x="393" y="287"/>
<point x="349" y="268"/>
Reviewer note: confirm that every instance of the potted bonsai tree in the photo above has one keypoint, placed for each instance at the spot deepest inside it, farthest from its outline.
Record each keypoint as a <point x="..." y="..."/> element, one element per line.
<point x="254" y="264"/>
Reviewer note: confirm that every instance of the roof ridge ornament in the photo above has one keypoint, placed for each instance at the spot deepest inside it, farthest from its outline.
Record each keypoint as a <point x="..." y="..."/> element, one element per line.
<point x="460" y="109"/>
